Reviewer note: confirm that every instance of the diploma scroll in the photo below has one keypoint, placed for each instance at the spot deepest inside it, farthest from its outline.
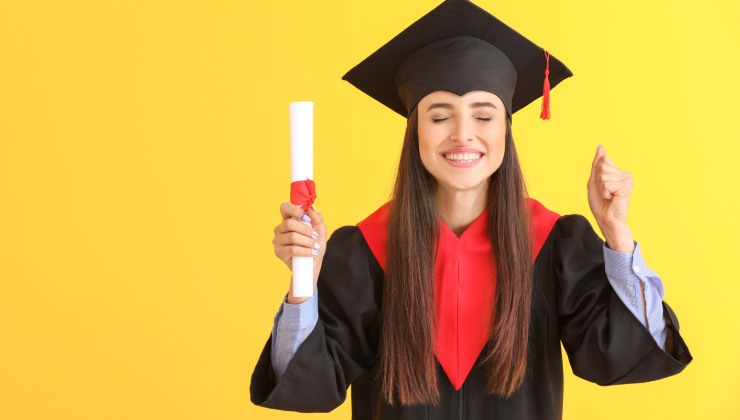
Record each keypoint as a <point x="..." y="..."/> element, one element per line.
<point x="301" y="169"/>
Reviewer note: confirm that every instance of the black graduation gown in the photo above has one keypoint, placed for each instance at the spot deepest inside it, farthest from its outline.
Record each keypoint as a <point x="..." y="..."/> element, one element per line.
<point x="572" y="303"/>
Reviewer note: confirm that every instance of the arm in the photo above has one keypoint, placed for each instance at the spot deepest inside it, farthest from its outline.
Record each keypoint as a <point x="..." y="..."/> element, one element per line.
<point x="293" y="323"/>
<point x="609" y="191"/>
<point x="339" y="348"/>
<point x="604" y="340"/>
<point x="639" y="288"/>
<point x="603" y="328"/>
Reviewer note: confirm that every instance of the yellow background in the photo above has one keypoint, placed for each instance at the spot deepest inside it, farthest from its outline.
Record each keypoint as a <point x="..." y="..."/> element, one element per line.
<point x="144" y="153"/>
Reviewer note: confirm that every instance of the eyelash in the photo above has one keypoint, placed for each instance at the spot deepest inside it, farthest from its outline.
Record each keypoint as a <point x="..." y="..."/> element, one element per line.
<point x="439" y="120"/>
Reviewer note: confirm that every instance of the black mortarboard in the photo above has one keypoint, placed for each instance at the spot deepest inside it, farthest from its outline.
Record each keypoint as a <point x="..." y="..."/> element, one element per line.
<point x="458" y="47"/>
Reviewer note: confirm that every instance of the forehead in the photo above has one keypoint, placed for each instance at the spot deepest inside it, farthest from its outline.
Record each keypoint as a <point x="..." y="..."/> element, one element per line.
<point x="467" y="99"/>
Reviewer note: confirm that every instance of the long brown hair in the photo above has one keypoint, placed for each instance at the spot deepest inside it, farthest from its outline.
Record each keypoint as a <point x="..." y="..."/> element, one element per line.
<point x="408" y="368"/>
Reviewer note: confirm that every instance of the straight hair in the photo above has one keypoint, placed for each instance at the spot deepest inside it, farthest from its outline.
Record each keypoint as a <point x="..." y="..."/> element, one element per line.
<point x="408" y="368"/>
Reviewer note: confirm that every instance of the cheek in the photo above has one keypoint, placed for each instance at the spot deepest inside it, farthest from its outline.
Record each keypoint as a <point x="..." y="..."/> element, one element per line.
<point x="498" y="147"/>
<point x="499" y="151"/>
<point x="427" y="147"/>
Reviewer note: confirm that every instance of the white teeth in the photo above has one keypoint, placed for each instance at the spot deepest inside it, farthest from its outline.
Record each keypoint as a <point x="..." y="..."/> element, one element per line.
<point x="463" y="157"/>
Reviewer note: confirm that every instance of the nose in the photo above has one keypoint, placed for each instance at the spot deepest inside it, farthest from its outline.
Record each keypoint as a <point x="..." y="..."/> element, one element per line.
<point x="463" y="131"/>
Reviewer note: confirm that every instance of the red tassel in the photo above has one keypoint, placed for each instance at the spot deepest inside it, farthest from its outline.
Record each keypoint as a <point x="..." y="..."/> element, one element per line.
<point x="545" y="114"/>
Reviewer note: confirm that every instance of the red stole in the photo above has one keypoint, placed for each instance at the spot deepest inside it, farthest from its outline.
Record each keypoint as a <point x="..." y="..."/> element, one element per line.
<point x="464" y="283"/>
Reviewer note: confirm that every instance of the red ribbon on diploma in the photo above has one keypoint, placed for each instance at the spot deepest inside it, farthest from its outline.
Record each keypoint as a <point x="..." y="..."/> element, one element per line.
<point x="303" y="193"/>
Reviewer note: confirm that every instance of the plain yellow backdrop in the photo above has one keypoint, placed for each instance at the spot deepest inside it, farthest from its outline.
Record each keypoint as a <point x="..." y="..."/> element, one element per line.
<point x="144" y="153"/>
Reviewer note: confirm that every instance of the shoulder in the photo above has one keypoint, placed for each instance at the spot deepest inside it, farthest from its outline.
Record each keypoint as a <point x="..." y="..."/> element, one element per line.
<point x="570" y="239"/>
<point x="348" y="250"/>
<point x="345" y="240"/>
<point x="573" y="246"/>
<point x="350" y="281"/>
<point x="568" y="225"/>
<point x="374" y="230"/>
<point x="575" y="226"/>
<point x="542" y="220"/>
<point x="346" y="235"/>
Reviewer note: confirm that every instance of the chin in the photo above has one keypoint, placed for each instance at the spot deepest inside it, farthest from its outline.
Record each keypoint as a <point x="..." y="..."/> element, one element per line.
<point x="466" y="186"/>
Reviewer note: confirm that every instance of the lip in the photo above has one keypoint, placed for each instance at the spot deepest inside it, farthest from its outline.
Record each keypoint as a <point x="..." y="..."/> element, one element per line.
<point x="461" y="150"/>
<point x="458" y="164"/>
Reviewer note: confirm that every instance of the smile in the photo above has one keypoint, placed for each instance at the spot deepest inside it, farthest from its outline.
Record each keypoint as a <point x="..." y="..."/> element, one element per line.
<point x="463" y="157"/>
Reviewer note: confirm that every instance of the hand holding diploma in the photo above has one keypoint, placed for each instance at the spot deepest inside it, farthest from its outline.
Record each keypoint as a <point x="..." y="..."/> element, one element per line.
<point x="293" y="238"/>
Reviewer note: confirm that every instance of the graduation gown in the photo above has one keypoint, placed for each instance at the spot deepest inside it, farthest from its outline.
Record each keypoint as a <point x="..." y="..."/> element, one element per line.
<point x="572" y="303"/>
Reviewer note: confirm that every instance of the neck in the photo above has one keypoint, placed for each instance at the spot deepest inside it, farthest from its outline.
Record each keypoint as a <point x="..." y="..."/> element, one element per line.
<point x="459" y="209"/>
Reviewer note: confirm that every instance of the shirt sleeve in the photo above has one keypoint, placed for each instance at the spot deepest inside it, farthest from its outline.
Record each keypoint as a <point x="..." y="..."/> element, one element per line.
<point x="626" y="272"/>
<point x="293" y="323"/>
<point x="342" y="347"/>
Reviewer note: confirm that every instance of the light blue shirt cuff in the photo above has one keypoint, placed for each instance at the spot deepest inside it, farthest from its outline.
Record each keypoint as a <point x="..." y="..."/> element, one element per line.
<point x="626" y="272"/>
<point x="292" y="325"/>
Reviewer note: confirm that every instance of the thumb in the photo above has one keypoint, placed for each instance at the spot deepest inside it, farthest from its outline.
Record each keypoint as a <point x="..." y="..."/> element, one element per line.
<point x="317" y="222"/>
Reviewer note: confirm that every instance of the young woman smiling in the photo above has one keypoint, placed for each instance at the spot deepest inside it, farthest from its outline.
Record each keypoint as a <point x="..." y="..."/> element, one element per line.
<point x="452" y="300"/>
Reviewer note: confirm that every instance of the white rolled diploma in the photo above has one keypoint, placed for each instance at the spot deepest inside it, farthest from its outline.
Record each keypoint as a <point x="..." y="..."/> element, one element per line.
<point x="301" y="169"/>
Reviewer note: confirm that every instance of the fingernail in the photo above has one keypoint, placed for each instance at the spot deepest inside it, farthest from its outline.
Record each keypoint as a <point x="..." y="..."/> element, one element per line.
<point x="315" y="235"/>
<point x="314" y="209"/>
<point x="305" y="217"/>
<point x="315" y="252"/>
<point x="316" y="245"/>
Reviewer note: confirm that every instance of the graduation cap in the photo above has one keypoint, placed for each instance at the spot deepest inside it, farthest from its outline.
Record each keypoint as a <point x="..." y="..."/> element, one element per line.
<point x="458" y="47"/>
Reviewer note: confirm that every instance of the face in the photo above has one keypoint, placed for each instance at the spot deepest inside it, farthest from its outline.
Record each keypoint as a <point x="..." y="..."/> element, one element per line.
<point x="462" y="138"/>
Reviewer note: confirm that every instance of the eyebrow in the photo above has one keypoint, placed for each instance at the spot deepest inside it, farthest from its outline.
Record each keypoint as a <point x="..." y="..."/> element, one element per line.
<point x="439" y="105"/>
<point x="473" y="105"/>
<point x="482" y="104"/>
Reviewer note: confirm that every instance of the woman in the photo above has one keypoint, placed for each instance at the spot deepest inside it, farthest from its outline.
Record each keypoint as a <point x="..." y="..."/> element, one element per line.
<point x="451" y="301"/>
